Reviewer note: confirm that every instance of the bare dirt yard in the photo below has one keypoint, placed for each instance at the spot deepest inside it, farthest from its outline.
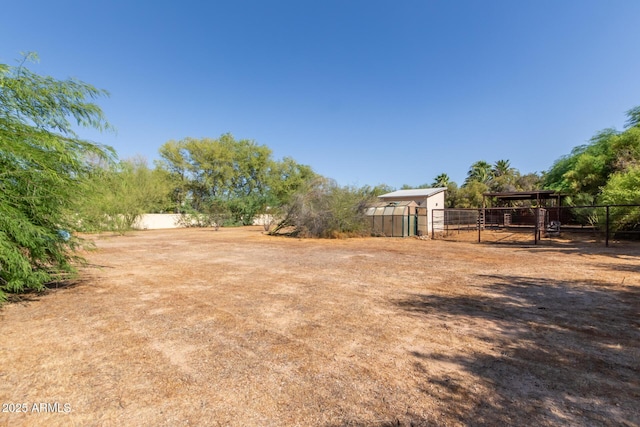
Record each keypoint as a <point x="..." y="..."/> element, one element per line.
<point x="236" y="328"/>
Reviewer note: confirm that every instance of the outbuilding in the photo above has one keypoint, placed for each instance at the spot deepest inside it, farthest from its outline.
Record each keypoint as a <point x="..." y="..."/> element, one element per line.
<point x="393" y="219"/>
<point x="426" y="199"/>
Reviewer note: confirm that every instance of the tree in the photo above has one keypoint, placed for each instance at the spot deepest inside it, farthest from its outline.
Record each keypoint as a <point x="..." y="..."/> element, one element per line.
<point x="206" y="170"/>
<point x="529" y="182"/>
<point x="236" y="179"/>
<point x="118" y="194"/>
<point x="626" y="149"/>
<point x="451" y="200"/>
<point x="470" y="195"/>
<point x="480" y="171"/>
<point x="586" y="171"/>
<point x="478" y="179"/>
<point x="414" y="187"/>
<point x="175" y="165"/>
<point x="441" y="180"/>
<point x="503" y="177"/>
<point x="623" y="188"/>
<point x="501" y="168"/>
<point x="379" y="190"/>
<point x="42" y="168"/>
<point x="285" y="178"/>
<point x="633" y="118"/>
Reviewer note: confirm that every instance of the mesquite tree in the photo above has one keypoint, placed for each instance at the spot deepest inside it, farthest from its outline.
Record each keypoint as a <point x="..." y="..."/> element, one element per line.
<point x="42" y="165"/>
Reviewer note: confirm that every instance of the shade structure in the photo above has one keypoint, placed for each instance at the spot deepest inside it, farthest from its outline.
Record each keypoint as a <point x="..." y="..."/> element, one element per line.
<point x="394" y="219"/>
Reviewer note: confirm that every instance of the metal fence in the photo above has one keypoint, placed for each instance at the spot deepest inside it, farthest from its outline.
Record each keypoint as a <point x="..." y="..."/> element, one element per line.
<point x="598" y="224"/>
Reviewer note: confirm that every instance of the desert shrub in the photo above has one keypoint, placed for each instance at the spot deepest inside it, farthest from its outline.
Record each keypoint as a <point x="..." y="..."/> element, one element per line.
<point x="324" y="209"/>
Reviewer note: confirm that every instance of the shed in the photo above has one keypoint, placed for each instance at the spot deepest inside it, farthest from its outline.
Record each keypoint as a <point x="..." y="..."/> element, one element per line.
<point x="393" y="219"/>
<point x="427" y="200"/>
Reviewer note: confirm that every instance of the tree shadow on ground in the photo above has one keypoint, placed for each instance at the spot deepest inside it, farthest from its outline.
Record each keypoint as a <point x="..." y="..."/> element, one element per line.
<point x="625" y="250"/>
<point x="556" y="353"/>
<point x="31" y="295"/>
<point x="630" y="268"/>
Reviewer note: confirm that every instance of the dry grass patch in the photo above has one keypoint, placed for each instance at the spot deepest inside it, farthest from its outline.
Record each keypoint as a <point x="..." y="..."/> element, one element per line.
<point x="196" y="327"/>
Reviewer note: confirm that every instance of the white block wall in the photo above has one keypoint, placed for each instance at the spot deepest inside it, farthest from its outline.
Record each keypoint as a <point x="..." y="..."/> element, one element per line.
<point x="157" y="221"/>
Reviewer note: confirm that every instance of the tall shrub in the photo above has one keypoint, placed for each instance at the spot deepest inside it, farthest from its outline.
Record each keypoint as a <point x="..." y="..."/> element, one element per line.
<point x="42" y="167"/>
<point x="324" y="209"/>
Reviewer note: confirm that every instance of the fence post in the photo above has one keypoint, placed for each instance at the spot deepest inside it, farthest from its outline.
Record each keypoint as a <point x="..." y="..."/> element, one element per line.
<point x="606" y="238"/>
<point x="479" y="223"/>
<point x="433" y="233"/>
<point x="537" y="223"/>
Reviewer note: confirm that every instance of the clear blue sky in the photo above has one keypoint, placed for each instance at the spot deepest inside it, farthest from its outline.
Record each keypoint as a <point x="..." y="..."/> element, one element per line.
<point x="366" y="92"/>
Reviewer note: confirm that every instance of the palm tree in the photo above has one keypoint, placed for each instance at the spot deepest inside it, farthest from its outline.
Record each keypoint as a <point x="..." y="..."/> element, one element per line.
<point x="501" y="168"/>
<point x="480" y="171"/>
<point x="441" y="180"/>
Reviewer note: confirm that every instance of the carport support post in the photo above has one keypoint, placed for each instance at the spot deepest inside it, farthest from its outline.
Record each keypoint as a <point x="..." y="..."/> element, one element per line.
<point x="606" y="233"/>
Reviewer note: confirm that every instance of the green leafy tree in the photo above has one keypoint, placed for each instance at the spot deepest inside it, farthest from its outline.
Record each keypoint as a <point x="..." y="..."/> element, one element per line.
<point x="175" y="166"/>
<point x="503" y="177"/>
<point x="470" y="195"/>
<point x="528" y="182"/>
<point x="203" y="170"/>
<point x="623" y="188"/>
<point x="555" y="178"/>
<point x="378" y="190"/>
<point x="285" y="178"/>
<point x="43" y="163"/>
<point x="117" y="195"/>
<point x="239" y="174"/>
<point x="586" y="171"/>
<point x="451" y="198"/>
<point x="626" y="149"/>
<point x="242" y="210"/>
<point x="413" y="187"/>
<point x="633" y="118"/>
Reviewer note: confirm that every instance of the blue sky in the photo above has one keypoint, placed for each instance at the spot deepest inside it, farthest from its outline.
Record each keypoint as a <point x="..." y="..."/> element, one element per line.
<point x="366" y="92"/>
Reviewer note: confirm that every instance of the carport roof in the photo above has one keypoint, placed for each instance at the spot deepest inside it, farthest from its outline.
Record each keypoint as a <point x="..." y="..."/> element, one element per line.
<point x="540" y="196"/>
<point x="524" y="195"/>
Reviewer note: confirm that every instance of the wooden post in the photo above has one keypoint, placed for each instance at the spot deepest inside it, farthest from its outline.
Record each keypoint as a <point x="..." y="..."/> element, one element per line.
<point x="433" y="231"/>
<point x="606" y="238"/>
<point x="535" y="229"/>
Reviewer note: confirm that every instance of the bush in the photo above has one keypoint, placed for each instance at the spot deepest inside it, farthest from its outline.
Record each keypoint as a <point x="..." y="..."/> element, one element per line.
<point x="324" y="209"/>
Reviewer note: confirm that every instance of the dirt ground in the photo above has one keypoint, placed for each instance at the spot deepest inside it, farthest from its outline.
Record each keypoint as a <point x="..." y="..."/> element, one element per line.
<point x="233" y="327"/>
